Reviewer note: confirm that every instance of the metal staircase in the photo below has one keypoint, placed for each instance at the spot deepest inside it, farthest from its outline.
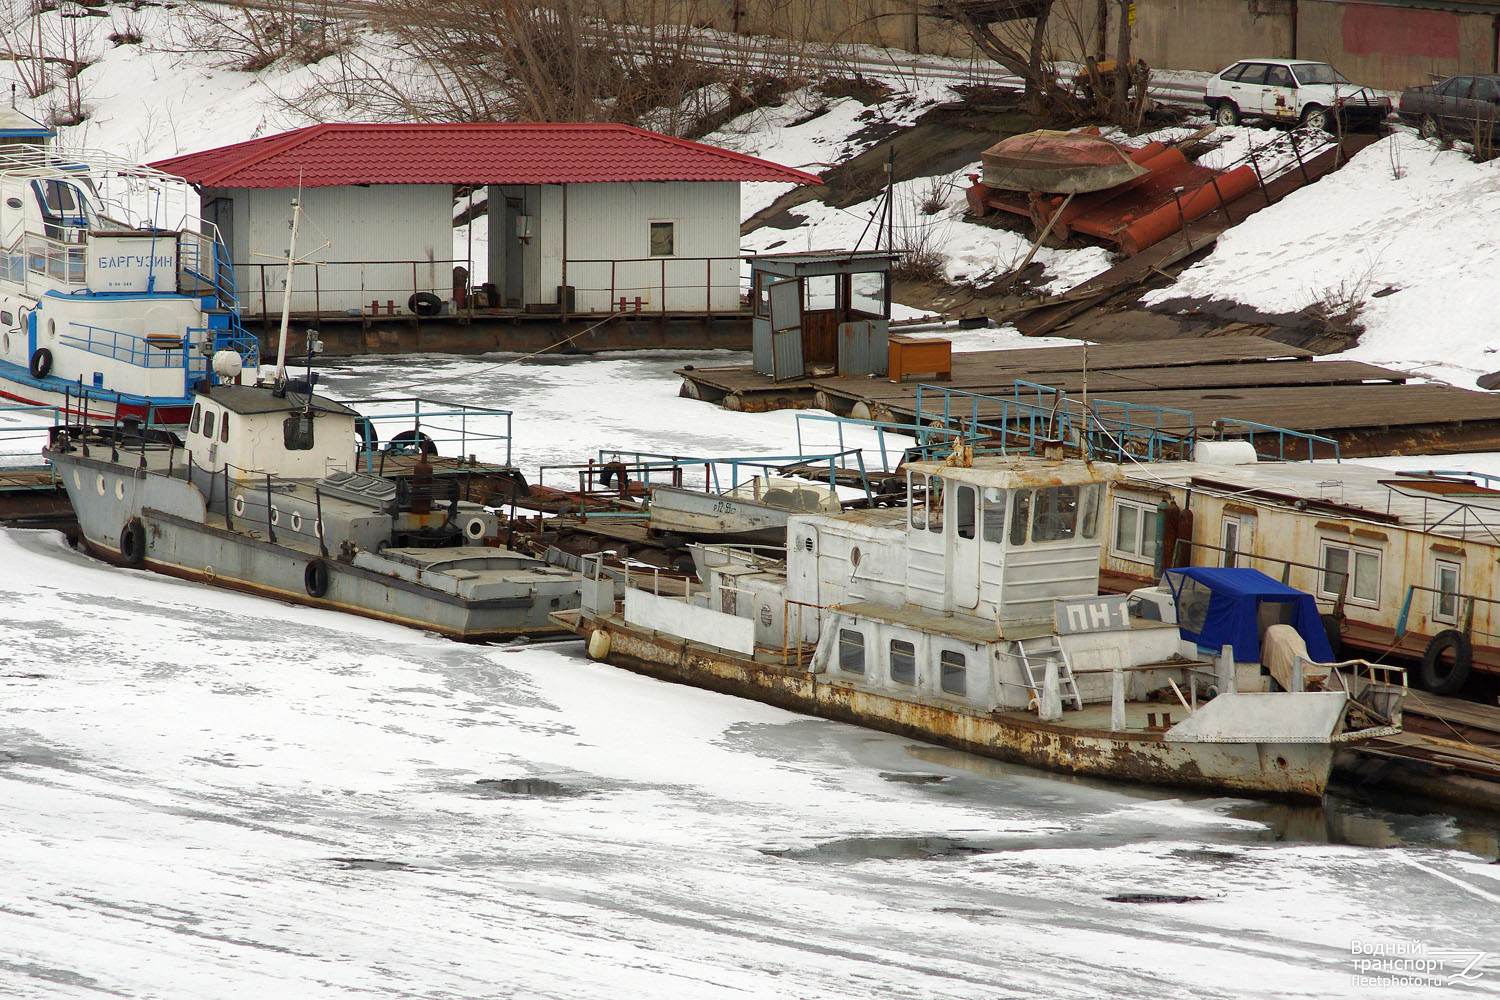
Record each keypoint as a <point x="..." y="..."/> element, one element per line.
<point x="229" y="335"/>
<point x="1034" y="653"/>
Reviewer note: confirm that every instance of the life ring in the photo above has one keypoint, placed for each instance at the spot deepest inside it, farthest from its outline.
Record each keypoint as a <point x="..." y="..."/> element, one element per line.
<point x="133" y="542"/>
<point x="1435" y="674"/>
<point x="41" y="363"/>
<point x="315" y="578"/>
<point x="425" y="304"/>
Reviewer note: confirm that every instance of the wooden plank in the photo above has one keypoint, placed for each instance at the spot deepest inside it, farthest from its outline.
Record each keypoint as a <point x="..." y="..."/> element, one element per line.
<point x="1454" y="710"/>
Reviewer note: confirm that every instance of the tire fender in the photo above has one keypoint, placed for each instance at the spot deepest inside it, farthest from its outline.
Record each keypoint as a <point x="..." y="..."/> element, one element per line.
<point x="133" y="542"/>
<point x="315" y="578"/>
<point x="1431" y="674"/>
<point x="41" y="363"/>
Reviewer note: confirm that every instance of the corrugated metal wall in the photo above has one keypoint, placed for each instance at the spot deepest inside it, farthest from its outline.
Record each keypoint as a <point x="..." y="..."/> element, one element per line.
<point x="404" y="223"/>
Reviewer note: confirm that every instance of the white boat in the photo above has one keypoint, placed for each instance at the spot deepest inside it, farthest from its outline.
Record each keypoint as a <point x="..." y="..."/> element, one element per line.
<point x="753" y="512"/>
<point x="113" y="295"/>
<point x="971" y="617"/>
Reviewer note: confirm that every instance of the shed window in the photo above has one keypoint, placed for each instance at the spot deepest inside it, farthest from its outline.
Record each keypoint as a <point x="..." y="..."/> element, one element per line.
<point x="663" y="239"/>
<point x="903" y="662"/>
<point x="867" y="294"/>
<point x="208" y="424"/>
<point x="955" y="672"/>
<point x="851" y="651"/>
<point x="1137" y="531"/>
<point x="297" y="432"/>
<point x="820" y="292"/>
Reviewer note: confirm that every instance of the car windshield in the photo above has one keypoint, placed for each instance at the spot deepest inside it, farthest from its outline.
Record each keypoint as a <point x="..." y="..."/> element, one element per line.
<point x="1317" y="73"/>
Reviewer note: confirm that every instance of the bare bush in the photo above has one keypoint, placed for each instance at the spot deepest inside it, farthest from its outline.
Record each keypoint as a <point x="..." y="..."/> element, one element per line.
<point x="918" y="235"/>
<point x="1337" y="308"/>
<point x="51" y="46"/>
<point x="250" y="38"/>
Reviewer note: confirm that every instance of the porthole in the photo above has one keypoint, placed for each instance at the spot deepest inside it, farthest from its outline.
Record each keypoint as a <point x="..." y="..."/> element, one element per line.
<point x="5" y="338"/>
<point x="855" y="555"/>
<point x="119" y="489"/>
<point x="239" y="505"/>
<point x="296" y="521"/>
<point x="51" y="329"/>
<point x="275" y="516"/>
<point x="475" y="527"/>
<point x="99" y="484"/>
<point x="765" y="616"/>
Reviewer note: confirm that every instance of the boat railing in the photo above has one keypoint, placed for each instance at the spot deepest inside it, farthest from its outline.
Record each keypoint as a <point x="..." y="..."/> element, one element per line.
<point x="792" y="643"/>
<point x="148" y="351"/>
<point x="720" y="474"/>
<point x="928" y="442"/>
<point x="1451" y="609"/>
<point x="24" y="430"/>
<point x="405" y="425"/>
<point x="57" y="259"/>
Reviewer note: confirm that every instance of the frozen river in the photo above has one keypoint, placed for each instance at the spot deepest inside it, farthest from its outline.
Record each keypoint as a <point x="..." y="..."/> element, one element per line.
<point x="210" y="795"/>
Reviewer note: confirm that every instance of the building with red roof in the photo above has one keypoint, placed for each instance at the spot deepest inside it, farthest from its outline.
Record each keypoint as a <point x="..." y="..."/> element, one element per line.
<point x="613" y="212"/>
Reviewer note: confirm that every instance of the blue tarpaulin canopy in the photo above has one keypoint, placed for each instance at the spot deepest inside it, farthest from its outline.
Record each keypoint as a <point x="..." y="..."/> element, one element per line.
<point x="1233" y="607"/>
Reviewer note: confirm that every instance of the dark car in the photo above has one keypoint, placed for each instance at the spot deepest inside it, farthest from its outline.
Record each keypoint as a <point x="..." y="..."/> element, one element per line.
<point x="1459" y="106"/>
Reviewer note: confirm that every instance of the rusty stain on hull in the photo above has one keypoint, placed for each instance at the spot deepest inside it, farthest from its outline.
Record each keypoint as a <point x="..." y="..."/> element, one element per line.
<point x="1290" y="770"/>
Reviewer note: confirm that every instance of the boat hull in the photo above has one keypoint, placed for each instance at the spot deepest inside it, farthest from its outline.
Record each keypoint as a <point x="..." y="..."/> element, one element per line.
<point x="1289" y="770"/>
<point x="89" y="405"/>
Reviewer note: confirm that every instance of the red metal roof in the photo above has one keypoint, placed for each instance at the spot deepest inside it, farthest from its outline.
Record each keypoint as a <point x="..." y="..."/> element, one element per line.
<point x="484" y="153"/>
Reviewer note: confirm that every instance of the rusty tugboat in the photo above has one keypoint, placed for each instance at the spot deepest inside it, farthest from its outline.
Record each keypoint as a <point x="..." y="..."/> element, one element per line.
<point x="971" y="617"/>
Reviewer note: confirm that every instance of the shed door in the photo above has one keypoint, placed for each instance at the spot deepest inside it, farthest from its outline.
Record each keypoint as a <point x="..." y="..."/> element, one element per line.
<point x="786" y="329"/>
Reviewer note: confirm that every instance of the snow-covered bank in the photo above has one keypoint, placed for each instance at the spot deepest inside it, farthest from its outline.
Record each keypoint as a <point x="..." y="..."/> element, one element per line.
<point x="1407" y="229"/>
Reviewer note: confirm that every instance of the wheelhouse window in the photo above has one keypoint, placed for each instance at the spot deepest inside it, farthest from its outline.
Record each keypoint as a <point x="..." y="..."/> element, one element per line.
<point x="955" y="679"/>
<point x="851" y="651"/>
<point x="903" y="662"/>
<point x="1021" y="520"/>
<point x="994" y="514"/>
<point x="1359" y="566"/>
<point x="208" y="424"/>
<point x="964" y="512"/>
<point x="1054" y="514"/>
<point x="297" y="432"/>
<point x="1137" y="531"/>
<point x="196" y="418"/>
<point x="224" y="427"/>
<point x="663" y="239"/>
<point x="1447" y="578"/>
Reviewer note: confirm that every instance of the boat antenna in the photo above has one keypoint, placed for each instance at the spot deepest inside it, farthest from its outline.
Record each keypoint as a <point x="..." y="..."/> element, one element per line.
<point x="1088" y="451"/>
<point x="291" y="260"/>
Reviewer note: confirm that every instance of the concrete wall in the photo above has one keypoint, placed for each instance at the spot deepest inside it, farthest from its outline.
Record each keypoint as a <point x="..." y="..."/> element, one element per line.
<point x="1391" y="47"/>
<point x="1210" y="34"/>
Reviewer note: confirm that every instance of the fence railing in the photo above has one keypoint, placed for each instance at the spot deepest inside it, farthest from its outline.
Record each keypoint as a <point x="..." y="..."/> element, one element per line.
<point x="718" y="474"/>
<point x="635" y="286"/>
<point x="408" y="424"/>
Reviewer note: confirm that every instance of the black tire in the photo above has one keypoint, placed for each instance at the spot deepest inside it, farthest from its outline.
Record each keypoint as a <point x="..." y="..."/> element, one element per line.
<point x="369" y="437"/>
<point x="1436" y="674"/>
<point x="410" y="442"/>
<point x="133" y="542"/>
<point x="315" y="578"/>
<point x="1227" y="114"/>
<point x="425" y="304"/>
<point x="1428" y="128"/>
<point x="41" y="363"/>
<point x="1321" y="118"/>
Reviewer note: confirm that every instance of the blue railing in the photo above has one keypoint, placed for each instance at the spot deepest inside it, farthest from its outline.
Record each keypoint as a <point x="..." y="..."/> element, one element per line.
<point x="406" y="424"/>
<point x="646" y="469"/>
<point x="929" y="442"/>
<point x="23" y="432"/>
<point x="147" y="352"/>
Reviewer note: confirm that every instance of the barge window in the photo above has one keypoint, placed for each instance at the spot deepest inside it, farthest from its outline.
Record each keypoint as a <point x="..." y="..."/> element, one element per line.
<point x="1088" y="516"/>
<point x="197" y="416"/>
<point x="994" y="514"/>
<point x="1021" y="519"/>
<point x="903" y="662"/>
<point x="208" y="424"/>
<point x="955" y="672"/>
<point x="1359" y="566"/>
<point x="1446" y="579"/>
<point x="967" y="500"/>
<point x="1137" y="531"/>
<point x="1231" y="543"/>
<point x="851" y="651"/>
<point x="934" y="503"/>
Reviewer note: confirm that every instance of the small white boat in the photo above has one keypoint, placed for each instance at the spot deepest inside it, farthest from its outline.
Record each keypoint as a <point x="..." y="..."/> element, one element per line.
<point x="754" y="512"/>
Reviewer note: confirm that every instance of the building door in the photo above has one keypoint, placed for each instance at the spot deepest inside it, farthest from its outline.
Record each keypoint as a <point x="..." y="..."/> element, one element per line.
<point x="513" y="281"/>
<point x="786" y="329"/>
<point x="965" y="542"/>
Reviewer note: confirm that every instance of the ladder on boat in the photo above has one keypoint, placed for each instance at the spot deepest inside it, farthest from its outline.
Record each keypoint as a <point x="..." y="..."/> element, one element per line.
<point x="1035" y="654"/>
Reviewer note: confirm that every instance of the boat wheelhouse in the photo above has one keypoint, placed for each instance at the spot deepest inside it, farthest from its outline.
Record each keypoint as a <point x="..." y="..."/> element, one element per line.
<point x="113" y="297"/>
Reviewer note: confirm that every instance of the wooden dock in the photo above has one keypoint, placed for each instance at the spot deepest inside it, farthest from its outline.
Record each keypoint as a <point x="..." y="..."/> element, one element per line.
<point x="1367" y="409"/>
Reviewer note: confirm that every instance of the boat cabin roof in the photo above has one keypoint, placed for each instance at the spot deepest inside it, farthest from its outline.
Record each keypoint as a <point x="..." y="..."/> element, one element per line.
<point x="250" y="399"/>
<point x="1021" y="472"/>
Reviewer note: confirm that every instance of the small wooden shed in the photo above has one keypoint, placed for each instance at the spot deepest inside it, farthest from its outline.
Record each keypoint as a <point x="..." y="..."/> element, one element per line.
<point x="821" y="311"/>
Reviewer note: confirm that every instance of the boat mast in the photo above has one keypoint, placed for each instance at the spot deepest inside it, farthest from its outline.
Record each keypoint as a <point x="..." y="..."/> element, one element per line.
<point x="286" y="298"/>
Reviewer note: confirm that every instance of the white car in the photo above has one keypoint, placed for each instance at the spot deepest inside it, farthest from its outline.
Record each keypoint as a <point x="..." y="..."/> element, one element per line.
<point x="1313" y="94"/>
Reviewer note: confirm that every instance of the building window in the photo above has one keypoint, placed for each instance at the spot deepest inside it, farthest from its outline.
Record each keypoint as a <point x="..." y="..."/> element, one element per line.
<point x="1446" y="580"/>
<point x="955" y="672"/>
<point x="903" y="662"/>
<point x="851" y="651"/>
<point x="1359" y="566"/>
<point x="663" y="239"/>
<point x="1137" y="531"/>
